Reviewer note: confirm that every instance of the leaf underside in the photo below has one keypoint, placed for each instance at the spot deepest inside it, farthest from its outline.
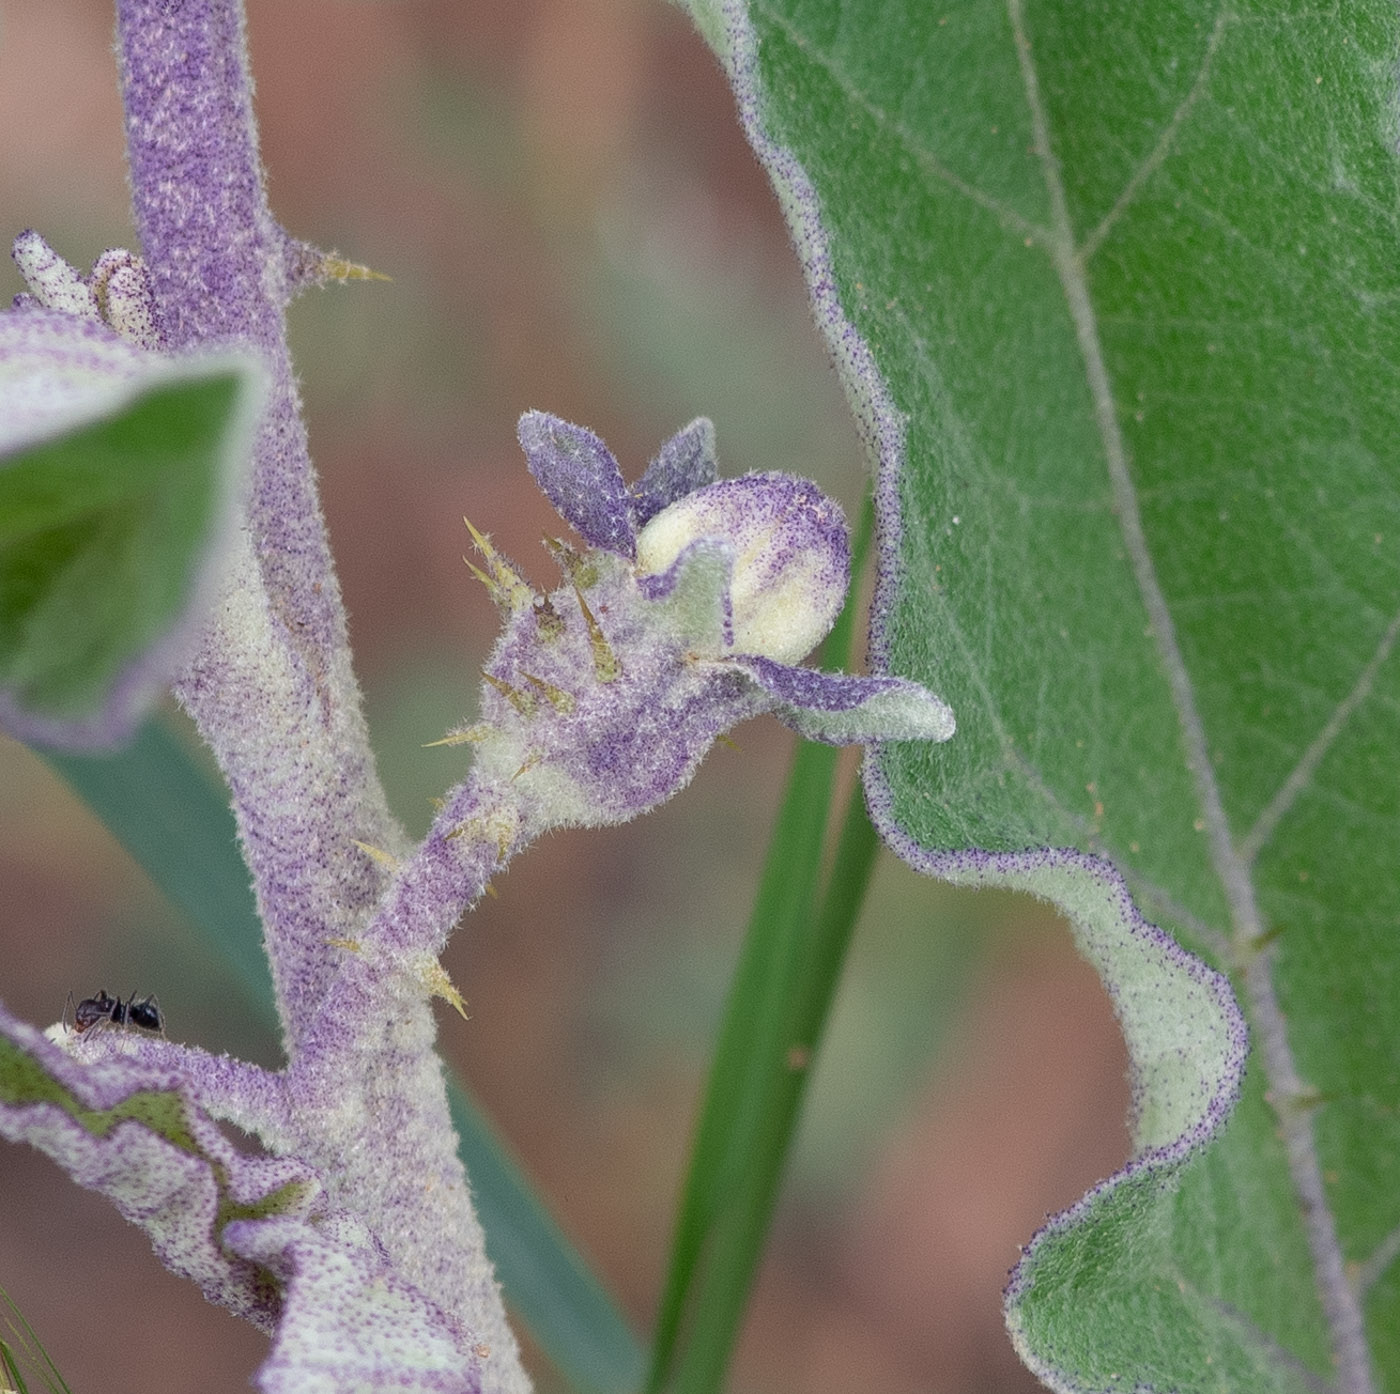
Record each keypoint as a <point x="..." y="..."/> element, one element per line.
<point x="1128" y="275"/>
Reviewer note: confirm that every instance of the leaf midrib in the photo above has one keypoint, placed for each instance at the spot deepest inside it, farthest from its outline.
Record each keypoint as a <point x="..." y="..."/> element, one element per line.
<point x="1338" y="1299"/>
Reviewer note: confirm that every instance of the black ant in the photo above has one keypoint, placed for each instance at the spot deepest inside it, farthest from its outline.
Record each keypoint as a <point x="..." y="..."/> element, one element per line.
<point x="138" y="1014"/>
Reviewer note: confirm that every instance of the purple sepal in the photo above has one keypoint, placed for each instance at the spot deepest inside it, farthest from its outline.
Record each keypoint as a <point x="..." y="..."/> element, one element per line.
<point x="581" y="479"/>
<point x="843" y="709"/>
<point x="685" y="463"/>
<point x="133" y="1133"/>
<point x="348" y="1323"/>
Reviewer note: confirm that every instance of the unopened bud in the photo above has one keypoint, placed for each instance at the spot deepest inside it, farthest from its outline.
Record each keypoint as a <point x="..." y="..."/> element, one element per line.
<point x="791" y="557"/>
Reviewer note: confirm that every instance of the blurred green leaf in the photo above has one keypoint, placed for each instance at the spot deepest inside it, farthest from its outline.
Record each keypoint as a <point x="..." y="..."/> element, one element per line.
<point x="104" y="537"/>
<point x="1129" y="275"/>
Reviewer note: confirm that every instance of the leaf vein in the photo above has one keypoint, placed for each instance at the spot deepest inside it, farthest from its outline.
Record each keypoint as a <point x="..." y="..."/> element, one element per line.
<point x="1299" y="776"/>
<point x="1339" y="1302"/>
<point x="1159" y="152"/>
<point x="908" y="140"/>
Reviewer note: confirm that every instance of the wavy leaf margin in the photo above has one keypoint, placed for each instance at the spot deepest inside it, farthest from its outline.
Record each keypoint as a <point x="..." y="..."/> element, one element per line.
<point x="1186" y="1036"/>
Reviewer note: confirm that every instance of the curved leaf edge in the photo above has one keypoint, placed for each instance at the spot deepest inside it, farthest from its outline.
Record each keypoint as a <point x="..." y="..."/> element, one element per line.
<point x="1174" y="1119"/>
<point x="1154" y="984"/>
<point x="134" y="1134"/>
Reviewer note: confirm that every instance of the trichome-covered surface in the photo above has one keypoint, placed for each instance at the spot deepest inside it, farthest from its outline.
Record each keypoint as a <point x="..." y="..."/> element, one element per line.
<point x="1112" y="289"/>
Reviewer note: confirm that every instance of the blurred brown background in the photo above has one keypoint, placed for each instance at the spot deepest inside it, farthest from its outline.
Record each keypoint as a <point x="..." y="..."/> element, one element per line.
<point x="572" y="221"/>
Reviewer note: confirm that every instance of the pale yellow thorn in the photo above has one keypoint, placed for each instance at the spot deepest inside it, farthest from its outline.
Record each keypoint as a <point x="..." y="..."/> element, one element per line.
<point x="353" y="945"/>
<point x="499" y="826"/>
<point x="434" y="977"/>
<point x="377" y="854"/>
<point x="335" y="268"/>
<point x="578" y="569"/>
<point x="492" y="589"/>
<point x="560" y="700"/>
<point x="470" y="735"/>
<point x="527" y="766"/>
<point x="605" y="662"/>
<point x="483" y="543"/>
<point x="507" y="588"/>
<point x="520" y="700"/>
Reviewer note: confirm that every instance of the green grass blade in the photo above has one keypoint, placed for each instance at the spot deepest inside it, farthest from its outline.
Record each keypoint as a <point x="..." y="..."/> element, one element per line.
<point x="738" y="1241"/>
<point x="782" y="989"/>
<point x="34" y="1352"/>
<point x="10" y="1370"/>
<point x="175" y="822"/>
<point x="178" y="827"/>
<point x="749" y="1039"/>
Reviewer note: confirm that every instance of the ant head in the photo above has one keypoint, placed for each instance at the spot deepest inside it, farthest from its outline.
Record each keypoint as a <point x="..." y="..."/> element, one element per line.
<point x="91" y="1010"/>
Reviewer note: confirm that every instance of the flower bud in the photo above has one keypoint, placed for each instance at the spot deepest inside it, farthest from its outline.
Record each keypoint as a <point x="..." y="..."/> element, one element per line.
<point x="791" y="557"/>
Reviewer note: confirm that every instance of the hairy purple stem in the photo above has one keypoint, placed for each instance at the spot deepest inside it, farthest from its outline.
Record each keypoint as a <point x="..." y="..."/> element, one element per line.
<point x="273" y="692"/>
<point x="367" y="1087"/>
<point x="272" y="688"/>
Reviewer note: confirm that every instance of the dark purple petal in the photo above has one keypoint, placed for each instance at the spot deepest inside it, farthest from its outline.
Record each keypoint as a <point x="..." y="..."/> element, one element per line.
<point x="817" y="691"/>
<point x="842" y="709"/>
<point x="684" y="463"/>
<point x="581" y="479"/>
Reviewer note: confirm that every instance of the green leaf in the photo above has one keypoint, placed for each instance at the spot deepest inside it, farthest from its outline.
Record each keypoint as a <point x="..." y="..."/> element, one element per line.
<point x="1114" y="291"/>
<point x="107" y="536"/>
<point x="173" y="820"/>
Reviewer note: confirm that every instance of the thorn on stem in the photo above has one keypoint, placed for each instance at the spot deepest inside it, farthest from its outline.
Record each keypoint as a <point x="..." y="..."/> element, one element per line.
<point x="605" y="662"/>
<point x="577" y="568"/>
<point x="527" y="766"/>
<point x="505" y="587"/>
<point x="468" y="735"/>
<point x="521" y="701"/>
<point x="498" y="827"/>
<point x="548" y="620"/>
<point x="434" y="977"/>
<point x="335" y="268"/>
<point x="377" y="854"/>
<point x="492" y="589"/>
<point x="560" y="700"/>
